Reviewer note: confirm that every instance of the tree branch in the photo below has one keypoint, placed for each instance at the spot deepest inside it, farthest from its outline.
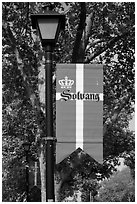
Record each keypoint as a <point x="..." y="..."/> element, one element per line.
<point x="30" y="92"/>
<point x="80" y="29"/>
<point x="91" y="44"/>
<point x="115" y="114"/>
<point x="88" y="29"/>
<point x="105" y="47"/>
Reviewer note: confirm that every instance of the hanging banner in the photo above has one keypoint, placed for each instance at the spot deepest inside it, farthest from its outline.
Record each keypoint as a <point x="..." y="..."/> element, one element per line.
<point x="79" y="110"/>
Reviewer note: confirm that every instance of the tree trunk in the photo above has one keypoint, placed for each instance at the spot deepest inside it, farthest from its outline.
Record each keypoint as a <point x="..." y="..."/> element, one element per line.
<point x="57" y="190"/>
<point x="42" y="172"/>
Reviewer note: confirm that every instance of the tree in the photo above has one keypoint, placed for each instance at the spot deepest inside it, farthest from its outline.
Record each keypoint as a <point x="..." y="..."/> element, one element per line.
<point x="119" y="188"/>
<point x="96" y="32"/>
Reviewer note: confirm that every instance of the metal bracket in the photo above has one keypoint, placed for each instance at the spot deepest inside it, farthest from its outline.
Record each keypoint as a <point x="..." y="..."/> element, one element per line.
<point x="50" y="138"/>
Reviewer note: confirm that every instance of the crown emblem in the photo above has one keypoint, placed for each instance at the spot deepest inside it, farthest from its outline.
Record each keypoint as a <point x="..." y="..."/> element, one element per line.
<point x="66" y="83"/>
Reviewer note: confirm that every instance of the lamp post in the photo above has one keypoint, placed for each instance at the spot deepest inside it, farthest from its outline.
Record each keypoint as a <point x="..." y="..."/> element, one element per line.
<point x="26" y="146"/>
<point x="49" y="25"/>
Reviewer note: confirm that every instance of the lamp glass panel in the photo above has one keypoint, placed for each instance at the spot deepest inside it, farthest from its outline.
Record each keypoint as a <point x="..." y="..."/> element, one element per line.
<point x="48" y="28"/>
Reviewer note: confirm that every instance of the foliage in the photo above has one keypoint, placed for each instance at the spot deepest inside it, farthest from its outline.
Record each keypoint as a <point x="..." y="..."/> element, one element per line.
<point x="106" y="35"/>
<point x="81" y="174"/>
<point x="119" y="188"/>
<point x="13" y="188"/>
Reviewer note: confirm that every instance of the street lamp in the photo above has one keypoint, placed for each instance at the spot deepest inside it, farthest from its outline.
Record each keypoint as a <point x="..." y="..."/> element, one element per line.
<point x="49" y="25"/>
<point x="26" y="147"/>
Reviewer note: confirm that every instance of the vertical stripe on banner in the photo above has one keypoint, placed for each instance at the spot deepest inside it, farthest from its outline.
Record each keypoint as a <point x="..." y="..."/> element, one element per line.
<point x="79" y="105"/>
